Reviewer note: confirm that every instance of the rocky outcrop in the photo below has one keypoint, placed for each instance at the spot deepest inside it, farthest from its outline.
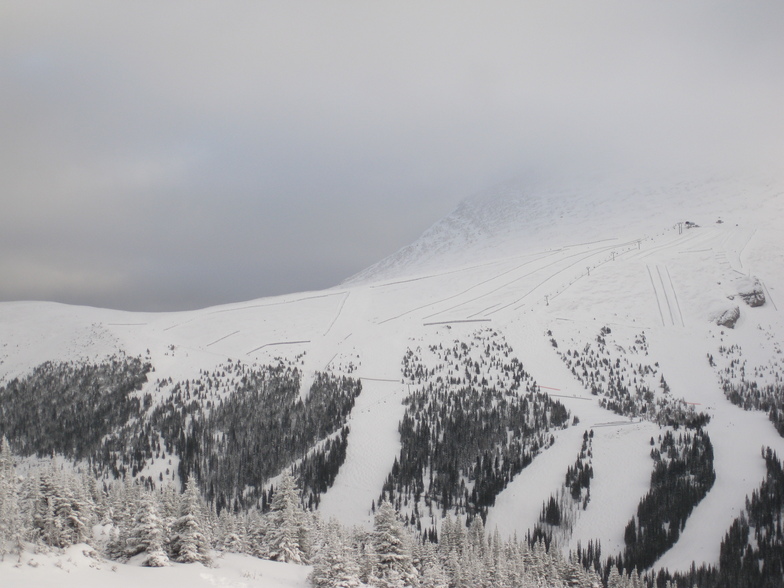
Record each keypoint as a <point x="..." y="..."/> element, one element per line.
<point x="750" y="289"/>
<point x="726" y="316"/>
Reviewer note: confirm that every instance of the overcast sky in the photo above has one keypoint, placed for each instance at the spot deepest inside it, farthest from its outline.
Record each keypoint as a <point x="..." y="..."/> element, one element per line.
<point x="174" y="155"/>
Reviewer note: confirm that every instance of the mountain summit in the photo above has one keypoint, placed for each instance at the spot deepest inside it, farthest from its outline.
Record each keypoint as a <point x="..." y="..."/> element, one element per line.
<point x="536" y="211"/>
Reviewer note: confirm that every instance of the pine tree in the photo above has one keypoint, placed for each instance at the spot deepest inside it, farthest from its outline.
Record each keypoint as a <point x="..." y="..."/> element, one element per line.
<point x="256" y="532"/>
<point x="231" y="535"/>
<point x="476" y="536"/>
<point x="615" y="580"/>
<point x="336" y="565"/>
<point x="188" y="543"/>
<point x="434" y="576"/>
<point x="77" y="510"/>
<point x="393" y="567"/>
<point x="367" y="557"/>
<point x="288" y="529"/>
<point x="168" y="509"/>
<point x="538" y="558"/>
<point x="496" y="561"/>
<point x="123" y="502"/>
<point x="146" y="535"/>
<point x="10" y="520"/>
<point x="61" y="512"/>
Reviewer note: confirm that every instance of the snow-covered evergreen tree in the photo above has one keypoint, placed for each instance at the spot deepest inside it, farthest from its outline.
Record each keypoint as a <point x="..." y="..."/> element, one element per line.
<point x="495" y="560"/>
<point x="169" y="509"/>
<point x="391" y="544"/>
<point x="432" y="573"/>
<point x="367" y="555"/>
<point x="615" y="580"/>
<point x="231" y="535"/>
<point x="477" y="538"/>
<point x="256" y="533"/>
<point x="188" y="543"/>
<point x="122" y="504"/>
<point x="336" y="564"/>
<point x="10" y="519"/>
<point x="62" y="511"/>
<point x="77" y="510"/>
<point x="287" y="532"/>
<point x="146" y="534"/>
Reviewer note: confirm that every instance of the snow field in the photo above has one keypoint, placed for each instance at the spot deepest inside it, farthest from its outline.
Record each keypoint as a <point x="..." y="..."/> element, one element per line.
<point x="76" y="568"/>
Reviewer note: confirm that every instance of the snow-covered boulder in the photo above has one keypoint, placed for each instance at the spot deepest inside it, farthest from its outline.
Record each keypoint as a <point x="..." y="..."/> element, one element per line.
<point x="750" y="289"/>
<point x="725" y="315"/>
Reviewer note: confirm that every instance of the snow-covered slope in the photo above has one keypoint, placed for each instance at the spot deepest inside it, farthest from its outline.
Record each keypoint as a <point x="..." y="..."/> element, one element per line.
<point x="536" y="262"/>
<point x="535" y="212"/>
<point x="81" y="567"/>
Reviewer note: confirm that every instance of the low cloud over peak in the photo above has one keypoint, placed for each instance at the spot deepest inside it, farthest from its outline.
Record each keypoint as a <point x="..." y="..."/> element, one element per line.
<point x="179" y="155"/>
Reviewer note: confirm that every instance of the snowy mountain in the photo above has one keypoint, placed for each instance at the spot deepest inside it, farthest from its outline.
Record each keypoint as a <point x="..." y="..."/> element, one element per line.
<point x="525" y="213"/>
<point x="537" y="316"/>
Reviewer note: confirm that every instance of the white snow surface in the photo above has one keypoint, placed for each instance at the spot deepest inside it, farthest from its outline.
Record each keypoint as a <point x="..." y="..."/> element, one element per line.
<point x="80" y="566"/>
<point x="569" y="257"/>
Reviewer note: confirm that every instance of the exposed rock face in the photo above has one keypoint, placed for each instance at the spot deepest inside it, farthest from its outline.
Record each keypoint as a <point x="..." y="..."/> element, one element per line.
<point x="726" y="316"/>
<point x="751" y="291"/>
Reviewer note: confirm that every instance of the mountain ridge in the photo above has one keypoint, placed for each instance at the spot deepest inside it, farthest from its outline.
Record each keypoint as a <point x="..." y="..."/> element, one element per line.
<point x="526" y="211"/>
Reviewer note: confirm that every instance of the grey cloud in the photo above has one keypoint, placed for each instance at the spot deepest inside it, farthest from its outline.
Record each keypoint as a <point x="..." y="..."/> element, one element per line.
<point x="174" y="155"/>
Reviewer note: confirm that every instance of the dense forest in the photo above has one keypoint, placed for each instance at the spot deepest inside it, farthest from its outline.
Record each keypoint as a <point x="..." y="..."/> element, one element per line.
<point x="70" y="408"/>
<point x="752" y="551"/>
<point x="258" y="452"/>
<point x="232" y="429"/>
<point x="472" y="423"/>
<point x="682" y="476"/>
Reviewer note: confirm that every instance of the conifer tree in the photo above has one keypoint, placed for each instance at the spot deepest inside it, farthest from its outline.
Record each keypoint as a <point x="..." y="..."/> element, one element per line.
<point x="61" y="512"/>
<point x="78" y="510"/>
<point x="232" y="536"/>
<point x="476" y="536"/>
<point x="123" y="502"/>
<point x="257" y="526"/>
<point x="367" y="555"/>
<point x="10" y="520"/>
<point x="146" y="535"/>
<point x="288" y="529"/>
<point x="393" y="567"/>
<point x="336" y="564"/>
<point x="188" y="543"/>
<point x="614" y="579"/>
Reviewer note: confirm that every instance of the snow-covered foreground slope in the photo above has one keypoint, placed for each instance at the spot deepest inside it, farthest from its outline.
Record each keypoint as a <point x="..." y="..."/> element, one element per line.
<point x="533" y="262"/>
<point x="80" y="567"/>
